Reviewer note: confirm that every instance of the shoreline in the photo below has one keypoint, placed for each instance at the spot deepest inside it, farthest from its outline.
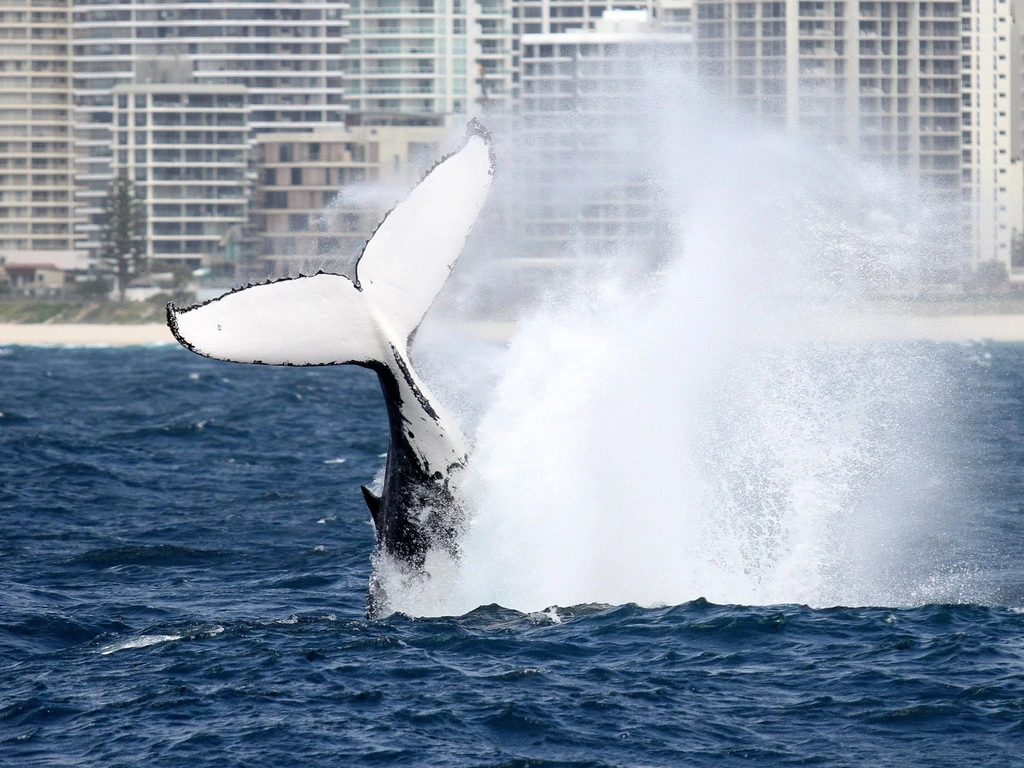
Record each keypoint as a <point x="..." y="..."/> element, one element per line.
<point x="84" y="334"/>
<point x="938" y="328"/>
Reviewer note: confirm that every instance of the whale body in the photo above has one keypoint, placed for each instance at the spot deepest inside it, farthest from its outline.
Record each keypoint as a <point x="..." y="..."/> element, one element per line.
<point x="370" y="320"/>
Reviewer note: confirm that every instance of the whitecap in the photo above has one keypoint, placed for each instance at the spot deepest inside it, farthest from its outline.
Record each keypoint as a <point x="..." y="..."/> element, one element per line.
<point x="143" y="641"/>
<point x="548" y="615"/>
<point x="334" y="461"/>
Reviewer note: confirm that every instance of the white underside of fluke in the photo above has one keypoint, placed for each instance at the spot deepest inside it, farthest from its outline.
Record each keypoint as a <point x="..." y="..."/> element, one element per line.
<point x="316" y="320"/>
<point x="329" y="319"/>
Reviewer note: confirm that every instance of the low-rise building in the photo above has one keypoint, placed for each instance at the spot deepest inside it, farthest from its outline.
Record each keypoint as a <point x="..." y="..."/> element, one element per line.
<point x="39" y="281"/>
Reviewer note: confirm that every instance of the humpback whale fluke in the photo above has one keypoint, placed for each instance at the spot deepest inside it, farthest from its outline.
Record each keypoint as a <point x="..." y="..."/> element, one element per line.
<point x="370" y="320"/>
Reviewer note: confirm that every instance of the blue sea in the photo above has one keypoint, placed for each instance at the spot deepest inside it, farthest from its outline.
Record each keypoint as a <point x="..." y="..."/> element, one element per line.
<point x="185" y="555"/>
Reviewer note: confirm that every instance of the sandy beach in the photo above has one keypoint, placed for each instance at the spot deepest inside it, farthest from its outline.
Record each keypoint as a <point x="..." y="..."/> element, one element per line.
<point x="882" y="327"/>
<point x="949" y="328"/>
<point x="84" y="334"/>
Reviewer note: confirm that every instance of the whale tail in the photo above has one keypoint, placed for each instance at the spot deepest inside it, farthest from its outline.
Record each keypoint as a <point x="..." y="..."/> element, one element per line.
<point x="330" y="319"/>
<point x="369" y="320"/>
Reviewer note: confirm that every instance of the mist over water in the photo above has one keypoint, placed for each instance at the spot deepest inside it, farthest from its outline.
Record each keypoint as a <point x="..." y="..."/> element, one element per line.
<point x="718" y="426"/>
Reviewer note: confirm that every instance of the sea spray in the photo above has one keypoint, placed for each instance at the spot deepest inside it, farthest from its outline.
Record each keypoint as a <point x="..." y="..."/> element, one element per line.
<point x="620" y="464"/>
<point x="717" y="427"/>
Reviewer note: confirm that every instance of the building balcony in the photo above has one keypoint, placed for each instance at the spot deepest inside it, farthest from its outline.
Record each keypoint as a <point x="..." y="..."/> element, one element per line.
<point x="396" y="72"/>
<point x="370" y="11"/>
<point x="371" y="92"/>
<point x="399" y="52"/>
<point x="490" y="9"/>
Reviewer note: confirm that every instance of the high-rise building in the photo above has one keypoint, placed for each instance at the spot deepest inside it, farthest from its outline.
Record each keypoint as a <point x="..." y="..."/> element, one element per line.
<point x="321" y="194"/>
<point x="285" y="52"/>
<point x="609" y="208"/>
<point x="535" y="17"/>
<point x="921" y="86"/>
<point x="411" y="62"/>
<point x="991" y="98"/>
<point x="1017" y="125"/>
<point x="553" y="16"/>
<point x="36" y="186"/>
<point x="186" y="148"/>
<point x="879" y="78"/>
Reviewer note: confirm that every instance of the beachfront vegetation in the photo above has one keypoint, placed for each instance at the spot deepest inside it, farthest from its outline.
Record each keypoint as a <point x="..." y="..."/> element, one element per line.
<point x="123" y="234"/>
<point x="24" y="310"/>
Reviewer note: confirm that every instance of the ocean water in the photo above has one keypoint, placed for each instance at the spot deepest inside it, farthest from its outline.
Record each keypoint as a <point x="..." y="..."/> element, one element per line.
<point x="185" y="555"/>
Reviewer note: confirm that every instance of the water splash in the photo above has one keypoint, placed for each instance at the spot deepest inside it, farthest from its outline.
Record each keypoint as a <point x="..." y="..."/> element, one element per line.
<point x="718" y="428"/>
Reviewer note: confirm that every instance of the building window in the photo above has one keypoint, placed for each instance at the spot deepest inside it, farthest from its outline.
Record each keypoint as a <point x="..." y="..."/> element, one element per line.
<point x="275" y="200"/>
<point x="296" y="177"/>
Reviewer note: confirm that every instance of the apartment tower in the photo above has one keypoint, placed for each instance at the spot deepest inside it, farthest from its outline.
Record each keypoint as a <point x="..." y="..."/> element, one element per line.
<point x="589" y="191"/>
<point x="186" y="147"/>
<point x="412" y="62"/>
<point x="286" y="53"/>
<point x="993" y="179"/>
<point x="36" y="182"/>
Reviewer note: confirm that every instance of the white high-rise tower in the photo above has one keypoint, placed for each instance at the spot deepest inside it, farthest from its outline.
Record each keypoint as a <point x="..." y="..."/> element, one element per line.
<point x="286" y="53"/>
<point x="993" y="179"/>
<point x="411" y="62"/>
